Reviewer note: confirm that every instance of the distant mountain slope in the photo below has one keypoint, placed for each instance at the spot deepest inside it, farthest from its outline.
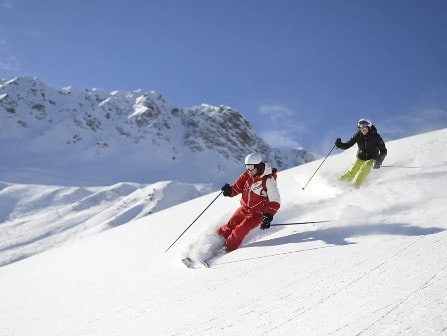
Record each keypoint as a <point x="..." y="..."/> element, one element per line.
<point x="95" y="138"/>
<point x="34" y="218"/>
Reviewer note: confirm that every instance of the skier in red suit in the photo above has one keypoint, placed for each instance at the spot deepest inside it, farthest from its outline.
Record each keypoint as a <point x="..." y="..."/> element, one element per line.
<point x="259" y="202"/>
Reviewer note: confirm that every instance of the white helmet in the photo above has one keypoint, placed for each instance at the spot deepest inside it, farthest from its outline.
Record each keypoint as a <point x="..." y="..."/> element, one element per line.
<point x="364" y="123"/>
<point x="253" y="159"/>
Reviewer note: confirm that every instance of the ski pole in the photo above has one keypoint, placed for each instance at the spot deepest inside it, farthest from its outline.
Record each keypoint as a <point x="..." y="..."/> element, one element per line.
<point x="194" y="221"/>
<point x="319" y="167"/>
<point x="299" y="223"/>
<point x="400" y="167"/>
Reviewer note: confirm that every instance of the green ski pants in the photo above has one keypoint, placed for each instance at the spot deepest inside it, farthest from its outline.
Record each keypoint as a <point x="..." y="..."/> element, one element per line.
<point x="358" y="172"/>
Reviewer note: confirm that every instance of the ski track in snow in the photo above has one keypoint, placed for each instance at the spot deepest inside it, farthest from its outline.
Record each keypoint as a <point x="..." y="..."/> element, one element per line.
<point x="303" y="311"/>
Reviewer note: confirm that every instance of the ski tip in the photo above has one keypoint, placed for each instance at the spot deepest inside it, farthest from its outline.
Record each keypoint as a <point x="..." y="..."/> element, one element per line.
<point x="187" y="262"/>
<point x="205" y="263"/>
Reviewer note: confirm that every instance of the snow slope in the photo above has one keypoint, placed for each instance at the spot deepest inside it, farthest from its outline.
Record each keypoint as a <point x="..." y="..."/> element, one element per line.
<point x="35" y="218"/>
<point x="379" y="269"/>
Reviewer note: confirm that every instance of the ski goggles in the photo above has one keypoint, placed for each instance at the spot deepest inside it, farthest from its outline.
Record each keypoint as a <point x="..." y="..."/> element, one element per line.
<point x="250" y="167"/>
<point x="363" y="124"/>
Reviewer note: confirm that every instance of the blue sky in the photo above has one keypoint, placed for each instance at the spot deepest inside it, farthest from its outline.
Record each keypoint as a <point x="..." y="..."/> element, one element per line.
<point x="302" y="72"/>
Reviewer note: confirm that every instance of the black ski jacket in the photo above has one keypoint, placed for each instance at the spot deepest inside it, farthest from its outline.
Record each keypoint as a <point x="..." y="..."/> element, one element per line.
<point x="371" y="145"/>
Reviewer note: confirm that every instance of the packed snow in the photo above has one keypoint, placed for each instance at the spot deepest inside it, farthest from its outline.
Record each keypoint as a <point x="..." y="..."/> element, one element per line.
<point x="379" y="268"/>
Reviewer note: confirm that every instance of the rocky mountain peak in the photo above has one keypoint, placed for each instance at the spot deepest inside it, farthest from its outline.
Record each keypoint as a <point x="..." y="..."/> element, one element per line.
<point x="136" y="136"/>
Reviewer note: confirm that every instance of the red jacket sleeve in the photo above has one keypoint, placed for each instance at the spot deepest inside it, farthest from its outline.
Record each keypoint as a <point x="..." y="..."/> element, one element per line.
<point x="238" y="185"/>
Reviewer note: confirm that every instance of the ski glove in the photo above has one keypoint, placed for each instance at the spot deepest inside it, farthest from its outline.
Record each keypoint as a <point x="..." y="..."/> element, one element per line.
<point x="338" y="143"/>
<point x="266" y="220"/>
<point x="377" y="165"/>
<point x="226" y="188"/>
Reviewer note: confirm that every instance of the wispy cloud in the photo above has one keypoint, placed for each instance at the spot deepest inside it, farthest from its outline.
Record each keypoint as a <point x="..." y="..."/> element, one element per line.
<point x="275" y="113"/>
<point x="6" y="4"/>
<point x="8" y="61"/>
<point x="417" y="121"/>
<point x="279" y="139"/>
<point x="281" y="125"/>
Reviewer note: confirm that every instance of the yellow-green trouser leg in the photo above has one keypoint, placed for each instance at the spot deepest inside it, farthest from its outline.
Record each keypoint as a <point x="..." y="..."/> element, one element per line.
<point x="363" y="172"/>
<point x="358" y="171"/>
<point x="349" y="175"/>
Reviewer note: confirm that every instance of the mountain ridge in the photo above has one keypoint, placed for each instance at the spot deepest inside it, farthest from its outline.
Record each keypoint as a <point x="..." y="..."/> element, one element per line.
<point x="140" y="134"/>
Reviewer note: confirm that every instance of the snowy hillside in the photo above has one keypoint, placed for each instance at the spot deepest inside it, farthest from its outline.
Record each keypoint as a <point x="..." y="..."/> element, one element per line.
<point x="35" y="218"/>
<point x="378" y="269"/>
<point x="91" y="137"/>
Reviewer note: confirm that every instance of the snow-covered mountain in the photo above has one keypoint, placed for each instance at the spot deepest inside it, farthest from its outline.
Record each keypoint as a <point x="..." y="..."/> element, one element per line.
<point x="98" y="138"/>
<point x="378" y="269"/>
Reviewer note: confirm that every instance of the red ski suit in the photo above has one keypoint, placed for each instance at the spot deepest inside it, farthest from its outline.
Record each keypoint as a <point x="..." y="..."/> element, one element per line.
<point x="255" y="201"/>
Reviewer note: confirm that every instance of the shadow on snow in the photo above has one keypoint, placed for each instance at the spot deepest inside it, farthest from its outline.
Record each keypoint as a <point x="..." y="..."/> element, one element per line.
<point x="339" y="235"/>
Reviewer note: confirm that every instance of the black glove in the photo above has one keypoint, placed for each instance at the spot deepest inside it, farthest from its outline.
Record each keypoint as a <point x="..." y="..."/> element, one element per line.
<point x="377" y="165"/>
<point x="226" y="188"/>
<point x="338" y="143"/>
<point x="266" y="220"/>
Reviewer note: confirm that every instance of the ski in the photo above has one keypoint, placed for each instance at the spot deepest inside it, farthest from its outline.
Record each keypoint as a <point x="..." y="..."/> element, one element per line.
<point x="205" y="263"/>
<point x="188" y="262"/>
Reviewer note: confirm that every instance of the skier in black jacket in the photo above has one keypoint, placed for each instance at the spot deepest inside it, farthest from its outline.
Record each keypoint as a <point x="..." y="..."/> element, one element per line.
<point x="371" y="152"/>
